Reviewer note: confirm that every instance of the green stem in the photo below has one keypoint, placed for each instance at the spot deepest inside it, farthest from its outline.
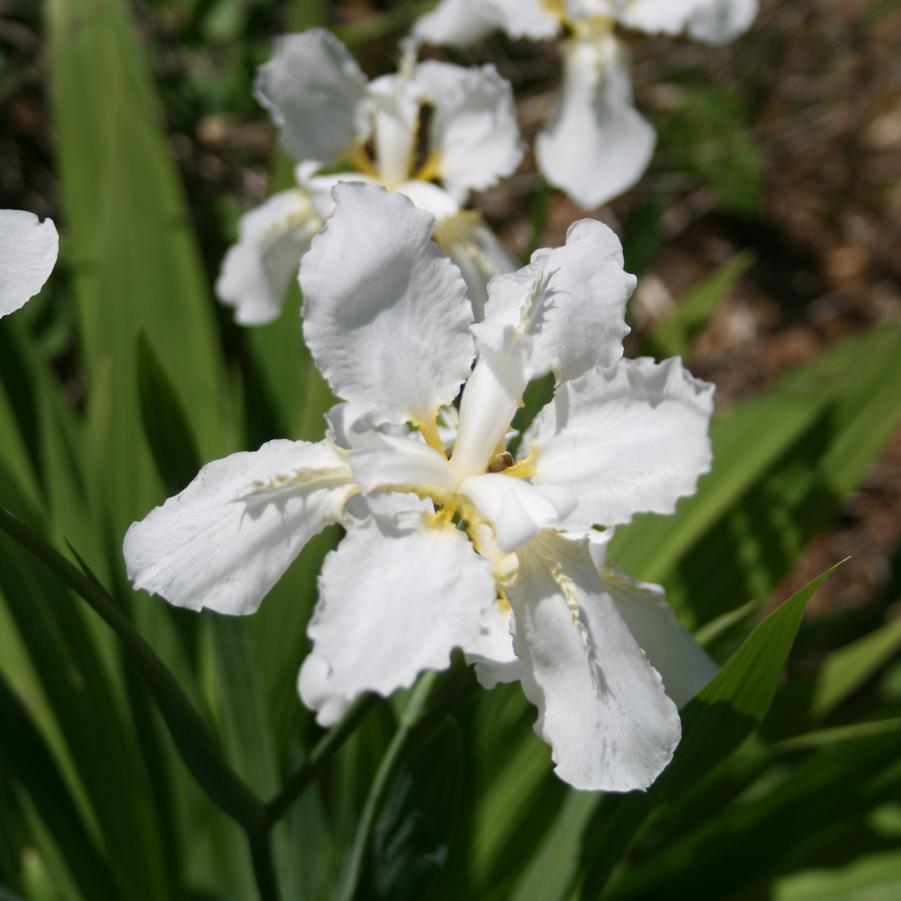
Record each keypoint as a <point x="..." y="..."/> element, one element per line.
<point x="319" y="757"/>
<point x="411" y="716"/>
<point x="187" y="728"/>
<point x="263" y="869"/>
<point x="430" y="702"/>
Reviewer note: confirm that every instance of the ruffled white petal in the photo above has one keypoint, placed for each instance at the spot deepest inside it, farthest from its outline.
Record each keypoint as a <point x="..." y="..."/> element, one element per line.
<point x="473" y="135"/>
<point x="456" y="23"/>
<point x="386" y="315"/>
<point x="271" y="240"/>
<point x="596" y="145"/>
<point x="392" y="602"/>
<point x="682" y="663"/>
<point x="570" y="302"/>
<point x="225" y="540"/>
<point x="390" y="461"/>
<point x="315" y="93"/>
<point x="602" y="707"/>
<point x="516" y="511"/>
<point x="478" y="253"/>
<point x="630" y="439"/>
<point x="714" y="21"/>
<point x="28" y="250"/>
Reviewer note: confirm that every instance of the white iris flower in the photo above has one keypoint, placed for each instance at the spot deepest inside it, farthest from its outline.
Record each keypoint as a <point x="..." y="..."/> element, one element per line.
<point x="28" y="250"/>
<point x="596" y="145"/>
<point x="452" y="542"/>
<point x="433" y="131"/>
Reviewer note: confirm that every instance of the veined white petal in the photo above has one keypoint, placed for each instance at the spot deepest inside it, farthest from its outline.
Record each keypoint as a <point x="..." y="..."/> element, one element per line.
<point x="271" y="240"/>
<point x="570" y="301"/>
<point x="720" y="21"/>
<point x="225" y="540"/>
<point x="473" y="135"/>
<point x="630" y="439"/>
<point x="516" y="510"/>
<point x="478" y="253"/>
<point x="401" y="462"/>
<point x="596" y="145"/>
<point x="28" y="250"/>
<point x="395" y="100"/>
<point x="602" y="707"/>
<point x="456" y="23"/>
<point x="391" y="604"/>
<point x="386" y="315"/>
<point x="315" y="93"/>
<point x="682" y="663"/>
<point x="490" y="400"/>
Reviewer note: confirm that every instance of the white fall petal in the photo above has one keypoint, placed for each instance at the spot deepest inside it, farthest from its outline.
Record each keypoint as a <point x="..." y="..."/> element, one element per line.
<point x="392" y="602"/>
<point x="257" y="270"/>
<point x="630" y="439"/>
<point x="602" y="706"/>
<point x="314" y="91"/>
<point x="391" y="331"/>
<point x="229" y="536"/>
<point x="28" y="251"/>
<point x="596" y="145"/>
<point x="683" y="664"/>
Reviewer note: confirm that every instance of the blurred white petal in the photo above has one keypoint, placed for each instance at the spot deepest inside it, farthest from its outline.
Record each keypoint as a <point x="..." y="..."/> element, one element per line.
<point x="596" y="145"/>
<point x="28" y="250"/>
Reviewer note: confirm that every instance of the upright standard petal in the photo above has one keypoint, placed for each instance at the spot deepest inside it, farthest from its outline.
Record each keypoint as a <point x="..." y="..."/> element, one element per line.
<point x="682" y="663"/>
<point x="473" y="135"/>
<point x="395" y="101"/>
<point x="596" y="144"/>
<point x="392" y="602"/>
<point x="315" y="92"/>
<point x="225" y="540"/>
<point x="630" y="439"/>
<point x="386" y="315"/>
<point x="28" y="250"/>
<point x="570" y="302"/>
<point x="456" y="23"/>
<point x="271" y="240"/>
<point x="602" y="707"/>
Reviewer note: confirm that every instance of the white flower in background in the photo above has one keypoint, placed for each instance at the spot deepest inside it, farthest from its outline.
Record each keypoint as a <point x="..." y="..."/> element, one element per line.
<point x="452" y="542"/>
<point x="595" y="145"/>
<point x="434" y="131"/>
<point x="28" y="250"/>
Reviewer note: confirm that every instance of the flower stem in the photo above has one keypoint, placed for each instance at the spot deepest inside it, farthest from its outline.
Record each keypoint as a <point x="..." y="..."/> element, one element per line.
<point x="319" y="757"/>
<point x="263" y="869"/>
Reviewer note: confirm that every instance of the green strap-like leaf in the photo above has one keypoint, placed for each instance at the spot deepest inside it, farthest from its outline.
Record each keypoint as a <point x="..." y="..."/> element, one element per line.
<point x="714" y="724"/>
